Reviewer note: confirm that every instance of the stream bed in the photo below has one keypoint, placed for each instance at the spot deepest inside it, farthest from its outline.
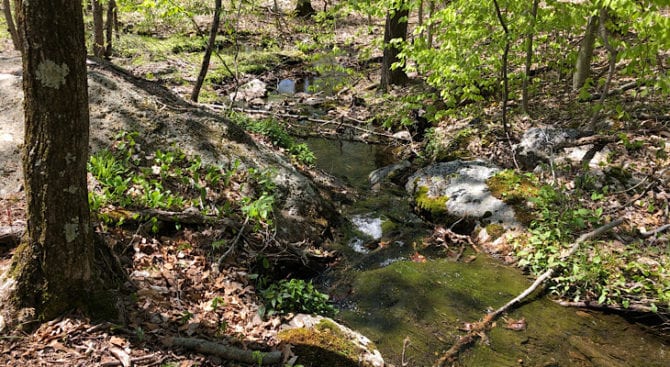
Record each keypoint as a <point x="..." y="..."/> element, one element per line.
<point x="415" y="310"/>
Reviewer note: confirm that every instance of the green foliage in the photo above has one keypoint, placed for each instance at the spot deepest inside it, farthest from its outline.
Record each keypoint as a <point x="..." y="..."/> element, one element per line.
<point x="168" y="179"/>
<point x="279" y="137"/>
<point x="295" y="295"/>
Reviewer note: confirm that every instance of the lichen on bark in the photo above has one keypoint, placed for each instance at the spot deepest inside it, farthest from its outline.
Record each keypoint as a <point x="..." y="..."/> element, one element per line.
<point x="52" y="75"/>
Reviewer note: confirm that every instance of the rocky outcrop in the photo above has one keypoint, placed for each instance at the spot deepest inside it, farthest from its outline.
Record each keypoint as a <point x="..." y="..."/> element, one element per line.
<point x="320" y="341"/>
<point x="122" y="102"/>
<point x="538" y="145"/>
<point x="456" y="191"/>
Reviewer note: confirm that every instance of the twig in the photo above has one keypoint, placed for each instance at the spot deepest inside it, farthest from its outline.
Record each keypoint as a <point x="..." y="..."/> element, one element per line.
<point x="232" y="245"/>
<point x="655" y="231"/>
<point x="481" y="327"/>
<point x="405" y="343"/>
<point x="598" y="306"/>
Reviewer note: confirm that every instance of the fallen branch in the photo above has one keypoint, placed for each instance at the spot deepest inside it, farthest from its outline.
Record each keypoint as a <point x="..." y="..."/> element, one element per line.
<point x="225" y="351"/>
<point x="477" y="329"/>
<point x="188" y="216"/>
<point x="598" y="306"/>
<point x="656" y="231"/>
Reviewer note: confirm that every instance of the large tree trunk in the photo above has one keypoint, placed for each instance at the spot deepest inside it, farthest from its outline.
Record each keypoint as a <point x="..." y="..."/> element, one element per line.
<point x="11" y="28"/>
<point x="395" y="28"/>
<point x="583" y="66"/>
<point x="54" y="266"/>
<point x="208" y="51"/>
<point x="98" y="26"/>
<point x="304" y="8"/>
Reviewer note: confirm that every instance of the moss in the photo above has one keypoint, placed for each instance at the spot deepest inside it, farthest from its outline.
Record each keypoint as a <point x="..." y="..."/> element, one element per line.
<point x="495" y="230"/>
<point x="513" y="188"/>
<point x="436" y="206"/>
<point x="323" y="345"/>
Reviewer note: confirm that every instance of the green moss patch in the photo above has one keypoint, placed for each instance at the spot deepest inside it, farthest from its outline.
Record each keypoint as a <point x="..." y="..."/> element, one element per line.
<point x="435" y="206"/>
<point x="323" y="345"/>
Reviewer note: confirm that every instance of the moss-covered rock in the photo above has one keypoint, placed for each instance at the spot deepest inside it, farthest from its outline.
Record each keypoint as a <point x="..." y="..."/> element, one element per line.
<point x="320" y="341"/>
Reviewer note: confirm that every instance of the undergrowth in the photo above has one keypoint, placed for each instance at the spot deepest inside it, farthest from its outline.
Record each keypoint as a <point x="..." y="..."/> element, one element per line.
<point x="128" y="177"/>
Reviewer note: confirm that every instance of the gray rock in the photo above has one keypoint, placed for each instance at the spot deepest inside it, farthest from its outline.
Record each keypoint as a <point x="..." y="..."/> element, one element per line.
<point x="537" y="145"/>
<point x="377" y="176"/>
<point x="250" y="91"/>
<point x="462" y="186"/>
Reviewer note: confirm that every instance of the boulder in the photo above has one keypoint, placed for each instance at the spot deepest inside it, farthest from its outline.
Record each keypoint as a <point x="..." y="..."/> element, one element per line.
<point x="456" y="191"/>
<point x="537" y="145"/>
<point x="250" y="91"/>
<point x="321" y="341"/>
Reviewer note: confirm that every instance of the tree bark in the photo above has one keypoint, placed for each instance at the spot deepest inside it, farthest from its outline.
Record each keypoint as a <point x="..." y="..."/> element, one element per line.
<point x="395" y="28"/>
<point x="98" y="26"/>
<point x="583" y="65"/>
<point x="208" y="51"/>
<point x="54" y="266"/>
<point x="109" y="28"/>
<point x="529" y="57"/>
<point x="11" y="28"/>
<point x="304" y="9"/>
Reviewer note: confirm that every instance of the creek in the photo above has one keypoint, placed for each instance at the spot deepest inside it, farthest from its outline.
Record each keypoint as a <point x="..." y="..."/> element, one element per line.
<point x="422" y="304"/>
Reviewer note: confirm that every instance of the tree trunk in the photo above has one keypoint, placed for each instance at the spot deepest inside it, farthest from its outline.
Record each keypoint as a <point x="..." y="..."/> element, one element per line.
<point x="304" y="8"/>
<point x="11" y="28"/>
<point x="208" y="51"/>
<point x="395" y="28"/>
<point x="54" y="266"/>
<point x="109" y="27"/>
<point x="529" y="57"/>
<point x="98" y="26"/>
<point x="583" y="66"/>
<point x="431" y="27"/>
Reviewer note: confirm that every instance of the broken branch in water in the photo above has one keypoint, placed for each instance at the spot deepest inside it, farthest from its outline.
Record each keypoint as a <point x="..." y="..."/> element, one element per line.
<point x="478" y="329"/>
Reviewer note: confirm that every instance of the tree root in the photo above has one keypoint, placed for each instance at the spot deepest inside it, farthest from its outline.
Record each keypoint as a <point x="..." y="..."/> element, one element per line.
<point x="225" y="351"/>
<point x="477" y="329"/>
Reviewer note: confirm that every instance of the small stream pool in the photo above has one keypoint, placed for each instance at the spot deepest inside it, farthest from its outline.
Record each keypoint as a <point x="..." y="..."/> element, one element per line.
<point x="426" y="305"/>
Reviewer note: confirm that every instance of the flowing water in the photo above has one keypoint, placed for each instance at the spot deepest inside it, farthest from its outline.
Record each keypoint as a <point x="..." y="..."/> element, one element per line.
<point x="422" y="305"/>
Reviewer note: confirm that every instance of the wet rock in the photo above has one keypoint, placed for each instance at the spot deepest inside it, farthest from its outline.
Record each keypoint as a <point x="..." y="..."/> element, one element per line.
<point x="537" y="145"/>
<point x="250" y="91"/>
<point x="377" y="176"/>
<point x="456" y="191"/>
<point x="320" y="341"/>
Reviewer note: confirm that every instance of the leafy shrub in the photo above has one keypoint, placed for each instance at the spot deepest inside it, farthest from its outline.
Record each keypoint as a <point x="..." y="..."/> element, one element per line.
<point x="295" y="295"/>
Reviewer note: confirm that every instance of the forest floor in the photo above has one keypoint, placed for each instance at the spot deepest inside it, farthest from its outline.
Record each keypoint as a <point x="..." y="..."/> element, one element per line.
<point x="184" y="297"/>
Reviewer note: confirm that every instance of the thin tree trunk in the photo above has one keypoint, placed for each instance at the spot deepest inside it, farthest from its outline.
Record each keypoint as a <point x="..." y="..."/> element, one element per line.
<point x="612" y="68"/>
<point x="395" y="28"/>
<point x="529" y="57"/>
<point x="583" y="65"/>
<point x="109" y="27"/>
<point x="503" y="72"/>
<point x="431" y="12"/>
<point x="55" y="264"/>
<point x="98" y="26"/>
<point x="11" y="28"/>
<point x="208" y="52"/>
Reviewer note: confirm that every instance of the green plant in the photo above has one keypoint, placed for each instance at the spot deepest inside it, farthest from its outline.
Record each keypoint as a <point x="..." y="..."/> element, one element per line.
<point x="295" y="295"/>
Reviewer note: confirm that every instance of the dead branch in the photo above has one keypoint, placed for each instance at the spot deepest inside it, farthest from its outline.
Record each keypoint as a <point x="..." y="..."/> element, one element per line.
<point x="588" y="140"/>
<point x="188" y="216"/>
<point x="598" y="306"/>
<point x="479" y="328"/>
<point x="225" y="351"/>
<point x="655" y="231"/>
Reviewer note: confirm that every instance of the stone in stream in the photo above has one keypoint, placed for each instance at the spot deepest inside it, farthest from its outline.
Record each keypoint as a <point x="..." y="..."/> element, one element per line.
<point x="456" y="192"/>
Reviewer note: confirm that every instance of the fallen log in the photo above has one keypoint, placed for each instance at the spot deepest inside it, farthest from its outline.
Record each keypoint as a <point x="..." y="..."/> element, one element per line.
<point x="478" y="329"/>
<point x="225" y="351"/>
